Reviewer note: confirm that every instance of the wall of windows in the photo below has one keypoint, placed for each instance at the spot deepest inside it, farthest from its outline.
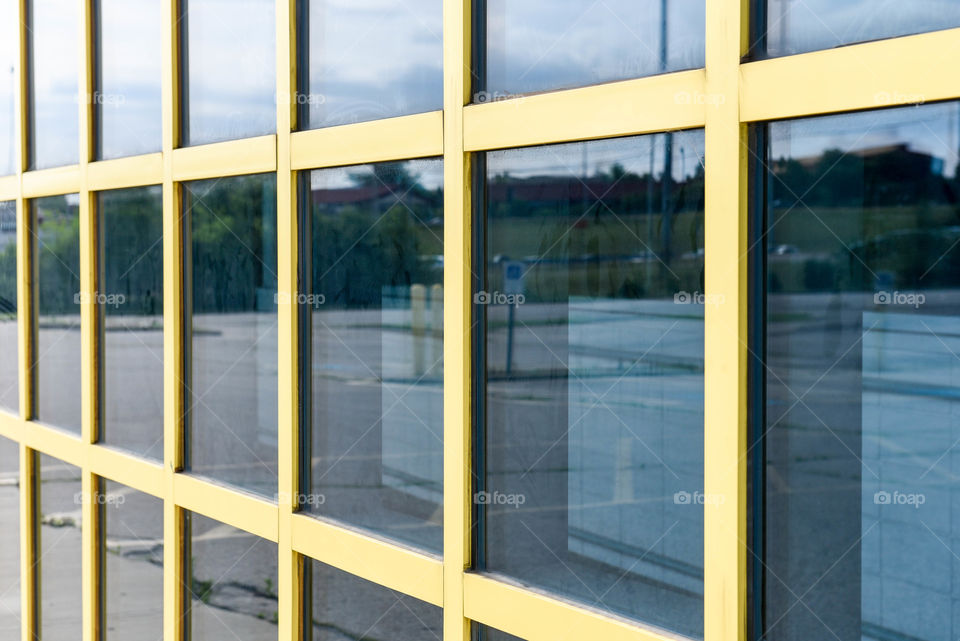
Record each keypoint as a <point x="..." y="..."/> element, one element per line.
<point x="324" y="319"/>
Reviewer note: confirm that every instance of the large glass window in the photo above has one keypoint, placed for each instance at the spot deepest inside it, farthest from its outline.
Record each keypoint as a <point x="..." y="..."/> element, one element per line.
<point x="61" y="505"/>
<point x="862" y="253"/>
<point x="592" y="308"/>
<point x="375" y="318"/>
<point x="9" y="539"/>
<point x="233" y="583"/>
<point x="794" y="26"/>
<point x="9" y="340"/>
<point x="131" y="301"/>
<point x="55" y="113"/>
<point x="9" y="82"/>
<point x="369" y="60"/>
<point x="134" y="563"/>
<point x="56" y="234"/>
<point x="346" y="607"/>
<point x="538" y="45"/>
<point x="229" y="69"/>
<point x="231" y="241"/>
<point x="127" y="99"/>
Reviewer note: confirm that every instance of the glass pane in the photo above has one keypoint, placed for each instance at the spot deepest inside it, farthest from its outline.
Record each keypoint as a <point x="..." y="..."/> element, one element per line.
<point x="61" y="611"/>
<point x="486" y="633"/>
<point x="232" y="391"/>
<point x="56" y="222"/>
<point x="797" y="27"/>
<point x="128" y="65"/>
<point x="376" y="319"/>
<point x="538" y="45"/>
<point x="233" y="583"/>
<point x="347" y="607"/>
<point x="863" y="394"/>
<point x="9" y="343"/>
<point x="593" y="314"/>
<point x="54" y="48"/>
<point x="134" y="559"/>
<point x="373" y="59"/>
<point x="9" y="539"/>
<point x="230" y="67"/>
<point x="131" y="298"/>
<point x="9" y="81"/>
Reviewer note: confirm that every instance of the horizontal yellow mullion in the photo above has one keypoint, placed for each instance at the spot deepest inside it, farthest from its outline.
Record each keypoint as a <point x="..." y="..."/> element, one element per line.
<point x="644" y="105"/>
<point x="144" y="476"/>
<point x="899" y="71"/>
<point x="231" y="158"/>
<point x="537" y="617"/>
<point x="47" y="440"/>
<point x="135" y="171"/>
<point x="9" y="187"/>
<point x="393" y="566"/>
<point x="241" y="510"/>
<point x="52" y="182"/>
<point x="414" y="136"/>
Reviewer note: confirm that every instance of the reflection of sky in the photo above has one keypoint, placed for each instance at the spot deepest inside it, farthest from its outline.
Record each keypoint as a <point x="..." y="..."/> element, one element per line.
<point x="931" y="129"/>
<point x="56" y="124"/>
<point x="130" y="77"/>
<point x="231" y="60"/>
<point x="8" y="86"/>
<point x="429" y="171"/>
<point x="636" y="154"/>
<point x="374" y="59"/>
<point x="536" y="45"/>
<point x="795" y="26"/>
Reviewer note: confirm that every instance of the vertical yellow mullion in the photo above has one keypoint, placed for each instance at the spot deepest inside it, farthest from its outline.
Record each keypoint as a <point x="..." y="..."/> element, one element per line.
<point x="725" y="335"/>
<point x="289" y="569"/>
<point x="457" y="387"/>
<point x="29" y="545"/>
<point x="91" y="514"/>
<point x="174" y="579"/>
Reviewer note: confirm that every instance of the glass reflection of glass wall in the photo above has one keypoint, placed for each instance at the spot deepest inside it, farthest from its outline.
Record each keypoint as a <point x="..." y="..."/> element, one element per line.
<point x="539" y="45"/>
<point x="233" y="583"/>
<point x="231" y="236"/>
<point x="54" y="112"/>
<point x="9" y="539"/>
<point x="375" y="312"/>
<point x="808" y="25"/>
<point x="134" y="563"/>
<point x="370" y="60"/>
<point x="862" y="237"/>
<point x="127" y="98"/>
<point x="592" y="310"/>
<point x="229" y="69"/>
<point x="9" y="342"/>
<point x="61" y="504"/>
<point x="346" y="607"/>
<point x="56" y="234"/>
<point x="9" y="91"/>
<point x="131" y="300"/>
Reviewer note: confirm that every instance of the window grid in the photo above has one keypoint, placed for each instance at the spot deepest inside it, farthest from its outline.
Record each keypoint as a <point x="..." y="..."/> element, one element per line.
<point x="722" y="98"/>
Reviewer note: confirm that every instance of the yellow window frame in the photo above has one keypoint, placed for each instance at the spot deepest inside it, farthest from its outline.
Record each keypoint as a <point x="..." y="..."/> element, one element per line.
<point x="727" y="95"/>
